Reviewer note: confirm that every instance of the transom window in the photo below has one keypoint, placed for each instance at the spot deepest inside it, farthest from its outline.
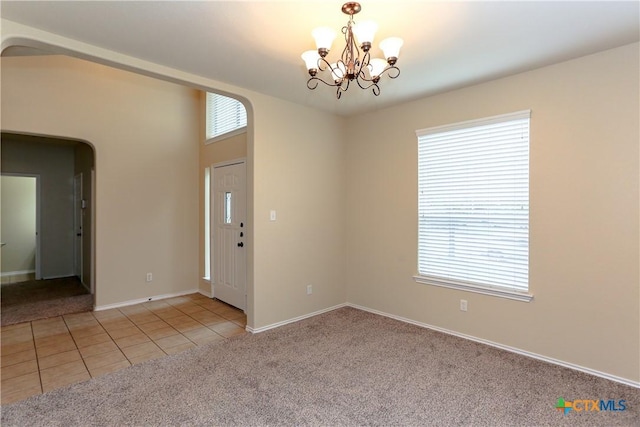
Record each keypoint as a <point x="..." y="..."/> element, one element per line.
<point x="225" y="117"/>
<point x="473" y="206"/>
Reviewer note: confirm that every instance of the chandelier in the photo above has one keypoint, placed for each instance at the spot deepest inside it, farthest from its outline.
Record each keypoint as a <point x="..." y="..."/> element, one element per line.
<point x="355" y="64"/>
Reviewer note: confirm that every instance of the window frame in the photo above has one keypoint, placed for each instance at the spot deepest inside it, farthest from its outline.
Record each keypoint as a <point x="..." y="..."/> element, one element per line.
<point x="207" y="224"/>
<point x="470" y="286"/>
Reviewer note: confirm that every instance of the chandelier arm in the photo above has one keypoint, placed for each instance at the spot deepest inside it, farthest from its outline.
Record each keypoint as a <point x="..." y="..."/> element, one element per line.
<point x="342" y="87"/>
<point x="373" y="84"/>
<point x="310" y="82"/>
<point x="366" y="60"/>
<point x="345" y="85"/>
<point x="362" y="65"/>
<point x="392" y="71"/>
<point x="323" y="63"/>
<point x="344" y="56"/>
<point x="362" y="82"/>
<point x="350" y="54"/>
<point x="339" y="69"/>
<point x="319" y="79"/>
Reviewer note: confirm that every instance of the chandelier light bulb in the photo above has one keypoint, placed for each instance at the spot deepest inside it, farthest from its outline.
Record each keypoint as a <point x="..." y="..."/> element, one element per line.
<point x="324" y="37"/>
<point x="391" y="48"/>
<point x="365" y="31"/>
<point x="377" y="66"/>
<point x="310" y="59"/>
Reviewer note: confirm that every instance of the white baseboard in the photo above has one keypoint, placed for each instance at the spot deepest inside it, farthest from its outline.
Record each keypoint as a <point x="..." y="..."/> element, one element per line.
<point x="16" y="273"/>
<point x="205" y="293"/>
<point x="547" y="359"/>
<point x="11" y="277"/>
<point x="293" y="320"/>
<point x="590" y="371"/>
<point x="60" y="276"/>
<point x="141" y="300"/>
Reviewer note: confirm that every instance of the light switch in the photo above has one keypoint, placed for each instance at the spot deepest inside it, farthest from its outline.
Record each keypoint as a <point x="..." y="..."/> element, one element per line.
<point x="272" y="215"/>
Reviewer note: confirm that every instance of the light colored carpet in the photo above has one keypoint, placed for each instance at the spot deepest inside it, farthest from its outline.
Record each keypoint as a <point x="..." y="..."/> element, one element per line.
<point x="343" y="368"/>
<point x="28" y="312"/>
<point x="41" y="299"/>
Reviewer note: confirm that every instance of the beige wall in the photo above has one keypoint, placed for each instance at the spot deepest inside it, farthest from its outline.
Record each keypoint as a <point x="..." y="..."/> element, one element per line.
<point x="300" y="172"/>
<point x="584" y="213"/>
<point x="146" y="141"/>
<point x="18" y="228"/>
<point x="224" y="150"/>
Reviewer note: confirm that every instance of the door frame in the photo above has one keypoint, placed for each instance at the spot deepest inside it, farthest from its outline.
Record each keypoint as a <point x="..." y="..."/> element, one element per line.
<point x="38" y="208"/>
<point x="212" y="251"/>
<point x="78" y="224"/>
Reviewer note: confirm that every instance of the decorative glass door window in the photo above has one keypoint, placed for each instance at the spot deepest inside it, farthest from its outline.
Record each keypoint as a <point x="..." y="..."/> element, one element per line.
<point x="227" y="207"/>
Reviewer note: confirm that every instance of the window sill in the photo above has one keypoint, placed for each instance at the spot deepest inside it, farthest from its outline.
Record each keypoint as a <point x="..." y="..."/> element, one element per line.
<point x="227" y="135"/>
<point x="496" y="292"/>
<point x="207" y="279"/>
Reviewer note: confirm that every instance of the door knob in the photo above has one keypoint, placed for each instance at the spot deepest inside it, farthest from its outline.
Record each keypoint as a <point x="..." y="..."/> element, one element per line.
<point x="240" y="244"/>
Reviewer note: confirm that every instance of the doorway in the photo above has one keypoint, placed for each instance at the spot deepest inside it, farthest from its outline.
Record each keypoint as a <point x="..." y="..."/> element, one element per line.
<point x="61" y="265"/>
<point x="228" y="228"/>
<point x="20" y="228"/>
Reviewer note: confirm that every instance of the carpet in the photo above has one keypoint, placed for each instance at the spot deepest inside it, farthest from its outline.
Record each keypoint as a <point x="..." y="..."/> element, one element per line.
<point x="41" y="299"/>
<point x="343" y="368"/>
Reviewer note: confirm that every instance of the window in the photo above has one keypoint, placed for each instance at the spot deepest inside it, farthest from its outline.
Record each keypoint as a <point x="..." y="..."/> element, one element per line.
<point x="473" y="206"/>
<point x="227" y="207"/>
<point x="225" y="116"/>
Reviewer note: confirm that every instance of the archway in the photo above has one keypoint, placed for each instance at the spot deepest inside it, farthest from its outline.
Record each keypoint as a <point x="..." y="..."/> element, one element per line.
<point x="51" y="273"/>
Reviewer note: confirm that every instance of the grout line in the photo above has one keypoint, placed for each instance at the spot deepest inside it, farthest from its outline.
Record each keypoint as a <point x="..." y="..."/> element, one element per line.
<point x="35" y="350"/>
<point x="76" y="344"/>
<point x="175" y="305"/>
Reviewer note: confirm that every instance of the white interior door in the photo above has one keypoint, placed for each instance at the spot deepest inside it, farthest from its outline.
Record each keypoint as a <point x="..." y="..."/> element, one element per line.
<point x="228" y="200"/>
<point x="77" y="227"/>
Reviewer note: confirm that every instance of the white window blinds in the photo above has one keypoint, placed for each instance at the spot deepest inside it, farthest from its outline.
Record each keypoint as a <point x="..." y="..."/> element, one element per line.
<point x="473" y="203"/>
<point x="224" y="115"/>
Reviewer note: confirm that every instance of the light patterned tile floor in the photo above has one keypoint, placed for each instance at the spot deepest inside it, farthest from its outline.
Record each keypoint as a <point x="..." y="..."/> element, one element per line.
<point x="46" y="354"/>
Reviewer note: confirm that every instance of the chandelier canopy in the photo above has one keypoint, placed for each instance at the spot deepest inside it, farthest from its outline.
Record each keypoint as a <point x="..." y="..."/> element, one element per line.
<point x="355" y="64"/>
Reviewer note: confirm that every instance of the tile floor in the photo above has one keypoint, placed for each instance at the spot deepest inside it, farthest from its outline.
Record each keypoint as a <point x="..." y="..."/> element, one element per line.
<point x="46" y="354"/>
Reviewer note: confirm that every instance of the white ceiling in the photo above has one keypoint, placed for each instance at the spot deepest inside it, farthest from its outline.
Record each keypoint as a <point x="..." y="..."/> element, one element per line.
<point x="257" y="44"/>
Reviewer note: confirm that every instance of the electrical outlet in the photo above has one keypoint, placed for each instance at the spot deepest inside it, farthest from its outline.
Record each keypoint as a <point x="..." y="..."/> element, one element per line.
<point x="149" y="277"/>
<point x="309" y="289"/>
<point x="463" y="305"/>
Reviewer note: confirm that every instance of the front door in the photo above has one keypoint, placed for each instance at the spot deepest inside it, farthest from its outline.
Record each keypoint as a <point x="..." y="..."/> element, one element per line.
<point x="228" y="201"/>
